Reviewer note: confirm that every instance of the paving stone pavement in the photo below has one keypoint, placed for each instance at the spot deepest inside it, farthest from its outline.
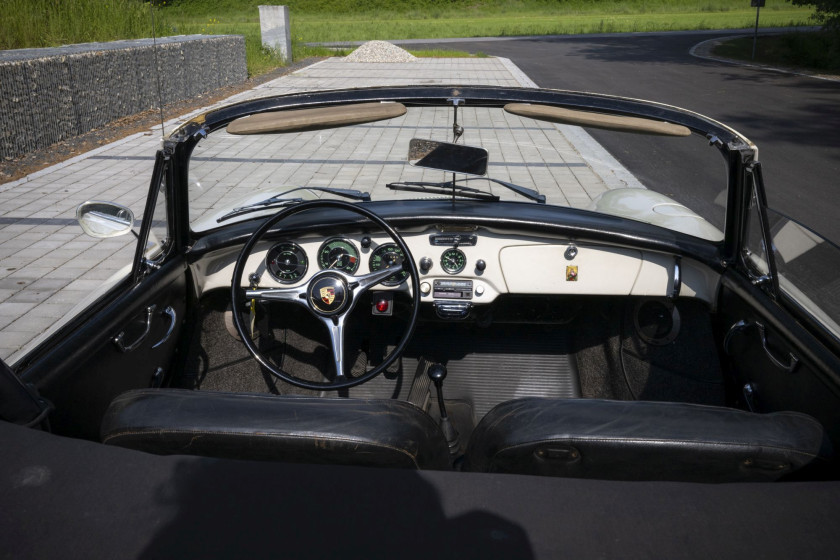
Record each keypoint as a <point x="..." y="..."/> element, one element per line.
<point x="48" y="265"/>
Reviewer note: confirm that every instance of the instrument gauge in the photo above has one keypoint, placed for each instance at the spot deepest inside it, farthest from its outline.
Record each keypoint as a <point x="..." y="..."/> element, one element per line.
<point x="286" y="262"/>
<point x="453" y="261"/>
<point x="338" y="253"/>
<point x="386" y="256"/>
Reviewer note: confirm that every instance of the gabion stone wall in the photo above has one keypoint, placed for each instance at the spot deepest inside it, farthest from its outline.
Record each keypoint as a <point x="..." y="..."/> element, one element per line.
<point x="49" y="95"/>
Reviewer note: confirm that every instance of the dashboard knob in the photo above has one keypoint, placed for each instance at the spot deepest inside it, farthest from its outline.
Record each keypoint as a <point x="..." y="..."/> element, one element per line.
<point x="480" y="265"/>
<point x="425" y="288"/>
<point x="425" y="264"/>
<point x="479" y="290"/>
<point x="365" y="242"/>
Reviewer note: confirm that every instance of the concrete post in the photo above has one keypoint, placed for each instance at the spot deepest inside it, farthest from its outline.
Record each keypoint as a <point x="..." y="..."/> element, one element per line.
<point x="276" y="31"/>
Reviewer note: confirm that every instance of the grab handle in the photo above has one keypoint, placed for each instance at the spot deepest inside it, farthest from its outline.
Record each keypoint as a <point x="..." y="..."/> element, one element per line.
<point x="118" y="340"/>
<point x="742" y="325"/>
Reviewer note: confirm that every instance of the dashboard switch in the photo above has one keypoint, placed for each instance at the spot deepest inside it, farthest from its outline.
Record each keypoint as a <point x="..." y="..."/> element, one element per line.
<point x="425" y="288"/>
<point x="383" y="304"/>
<point x="425" y="264"/>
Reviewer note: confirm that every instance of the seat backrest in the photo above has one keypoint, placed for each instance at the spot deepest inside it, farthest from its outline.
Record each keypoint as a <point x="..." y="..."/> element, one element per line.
<point x="374" y="432"/>
<point x="639" y="440"/>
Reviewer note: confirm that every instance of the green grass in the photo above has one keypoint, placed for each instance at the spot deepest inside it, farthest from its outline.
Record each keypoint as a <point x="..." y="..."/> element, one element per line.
<point x="815" y="52"/>
<point x="315" y="29"/>
<point x="49" y="23"/>
<point x="38" y="23"/>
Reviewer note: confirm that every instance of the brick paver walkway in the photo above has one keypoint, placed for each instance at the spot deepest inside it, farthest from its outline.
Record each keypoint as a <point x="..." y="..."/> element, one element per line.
<point x="48" y="266"/>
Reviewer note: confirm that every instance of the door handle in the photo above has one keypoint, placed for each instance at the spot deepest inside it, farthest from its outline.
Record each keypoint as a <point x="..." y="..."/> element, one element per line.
<point x="173" y="318"/>
<point x="789" y="367"/>
<point x="118" y="340"/>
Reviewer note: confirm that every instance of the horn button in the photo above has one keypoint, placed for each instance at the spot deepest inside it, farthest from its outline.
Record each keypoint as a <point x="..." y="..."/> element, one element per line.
<point x="328" y="295"/>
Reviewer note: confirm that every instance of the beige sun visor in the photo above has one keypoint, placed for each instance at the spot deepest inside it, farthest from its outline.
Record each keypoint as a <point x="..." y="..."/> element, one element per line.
<point x="596" y="120"/>
<point x="318" y="118"/>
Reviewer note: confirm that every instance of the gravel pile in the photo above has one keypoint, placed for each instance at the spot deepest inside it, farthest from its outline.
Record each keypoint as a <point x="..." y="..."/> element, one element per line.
<point x="379" y="51"/>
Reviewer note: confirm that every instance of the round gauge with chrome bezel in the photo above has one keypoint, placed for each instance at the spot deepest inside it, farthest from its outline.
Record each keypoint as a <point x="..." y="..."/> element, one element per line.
<point x="338" y="253"/>
<point x="453" y="261"/>
<point x="386" y="256"/>
<point x="286" y="262"/>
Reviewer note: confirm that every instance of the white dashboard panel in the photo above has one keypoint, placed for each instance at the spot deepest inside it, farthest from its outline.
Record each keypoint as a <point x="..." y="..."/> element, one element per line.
<point x="550" y="269"/>
<point x="514" y="263"/>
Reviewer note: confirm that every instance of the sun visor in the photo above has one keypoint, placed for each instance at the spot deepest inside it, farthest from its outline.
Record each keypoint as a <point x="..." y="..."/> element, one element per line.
<point x="318" y="118"/>
<point x="596" y="120"/>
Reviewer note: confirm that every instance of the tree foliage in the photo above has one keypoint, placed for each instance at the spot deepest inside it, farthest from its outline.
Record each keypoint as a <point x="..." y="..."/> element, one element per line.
<point x="827" y="12"/>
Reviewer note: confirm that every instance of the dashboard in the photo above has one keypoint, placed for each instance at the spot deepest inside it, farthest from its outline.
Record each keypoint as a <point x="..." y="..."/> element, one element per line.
<point x="469" y="264"/>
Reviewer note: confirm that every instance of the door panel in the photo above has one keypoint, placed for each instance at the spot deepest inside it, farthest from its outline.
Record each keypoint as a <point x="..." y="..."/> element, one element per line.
<point x="778" y="365"/>
<point x="128" y="339"/>
<point x="89" y="368"/>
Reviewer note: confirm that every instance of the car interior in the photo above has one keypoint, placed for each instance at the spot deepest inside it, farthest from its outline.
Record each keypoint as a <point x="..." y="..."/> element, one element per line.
<point x="437" y="334"/>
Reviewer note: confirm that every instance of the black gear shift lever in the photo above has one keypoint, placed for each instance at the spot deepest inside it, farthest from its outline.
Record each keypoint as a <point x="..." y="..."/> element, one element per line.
<point x="437" y="373"/>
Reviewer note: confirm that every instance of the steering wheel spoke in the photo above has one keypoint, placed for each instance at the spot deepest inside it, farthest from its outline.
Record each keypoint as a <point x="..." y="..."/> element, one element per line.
<point x="363" y="283"/>
<point x="294" y="295"/>
<point x="335" y="326"/>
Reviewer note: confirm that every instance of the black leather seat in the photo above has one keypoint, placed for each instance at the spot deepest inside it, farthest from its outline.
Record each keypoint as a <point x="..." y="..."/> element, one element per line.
<point x="637" y="440"/>
<point x="384" y="433"/>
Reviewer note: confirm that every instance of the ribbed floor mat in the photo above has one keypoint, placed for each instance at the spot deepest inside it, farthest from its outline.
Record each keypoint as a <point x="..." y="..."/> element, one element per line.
<point x="487" y="366"/>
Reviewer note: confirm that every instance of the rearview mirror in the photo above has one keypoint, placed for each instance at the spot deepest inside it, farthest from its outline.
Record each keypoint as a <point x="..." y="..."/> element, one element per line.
<point x="444" y="156"/>
<point x="104" y="219"/>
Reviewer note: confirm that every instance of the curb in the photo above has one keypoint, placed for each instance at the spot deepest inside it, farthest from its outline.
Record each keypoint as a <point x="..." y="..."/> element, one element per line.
<point x="703" y="50"/>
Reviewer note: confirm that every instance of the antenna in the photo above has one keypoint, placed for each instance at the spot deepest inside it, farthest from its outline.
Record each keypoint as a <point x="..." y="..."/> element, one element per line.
<point x="157" y="69"/>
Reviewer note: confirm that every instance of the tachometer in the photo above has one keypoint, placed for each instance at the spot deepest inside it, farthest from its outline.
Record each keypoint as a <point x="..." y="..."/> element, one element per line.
<point x="338" y="253"/>
<point x="453" y="261"/>
<point x="386" y="256"/>
<point x="286" y="262"/>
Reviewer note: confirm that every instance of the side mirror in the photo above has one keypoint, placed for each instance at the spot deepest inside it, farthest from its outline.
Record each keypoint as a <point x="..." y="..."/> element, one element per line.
<point x="104" y="219"/>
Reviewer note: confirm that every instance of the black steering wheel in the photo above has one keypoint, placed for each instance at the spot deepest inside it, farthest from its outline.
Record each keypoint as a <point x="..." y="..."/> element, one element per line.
<point x="329" y="294"/>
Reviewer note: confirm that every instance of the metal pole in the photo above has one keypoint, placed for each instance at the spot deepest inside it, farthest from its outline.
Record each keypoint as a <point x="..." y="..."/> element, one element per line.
<point x="755" y="36"/>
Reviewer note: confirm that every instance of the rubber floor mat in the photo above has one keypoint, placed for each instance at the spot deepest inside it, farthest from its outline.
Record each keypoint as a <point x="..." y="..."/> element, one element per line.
<point x="487" y="366"/>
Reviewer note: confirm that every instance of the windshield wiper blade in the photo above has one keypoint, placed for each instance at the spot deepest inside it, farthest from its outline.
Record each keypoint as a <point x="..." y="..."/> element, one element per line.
<point x="445" y="188"/>
<point x="346" y="193"/>
<point x="257" y="207"/>
<point x="278" y="200"/>
<point x="524" y="191"/>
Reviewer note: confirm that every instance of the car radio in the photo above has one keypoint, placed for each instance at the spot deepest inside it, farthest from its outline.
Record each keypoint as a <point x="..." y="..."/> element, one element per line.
<point x="453" y="289"/>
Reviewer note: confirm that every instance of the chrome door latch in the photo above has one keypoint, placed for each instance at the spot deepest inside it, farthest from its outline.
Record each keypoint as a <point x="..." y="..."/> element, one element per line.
<point x="742" y="325"/>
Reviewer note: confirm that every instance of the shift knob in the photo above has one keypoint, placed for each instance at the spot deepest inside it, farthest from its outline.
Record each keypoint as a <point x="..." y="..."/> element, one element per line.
<point x="437" y="373"/>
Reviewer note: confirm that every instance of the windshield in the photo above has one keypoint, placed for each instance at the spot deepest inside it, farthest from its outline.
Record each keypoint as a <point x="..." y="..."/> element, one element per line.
<point x="674" y="182"/>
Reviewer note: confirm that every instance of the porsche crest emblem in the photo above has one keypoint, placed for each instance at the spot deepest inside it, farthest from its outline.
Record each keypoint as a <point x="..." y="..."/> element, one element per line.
<point x="328" y="295"/>
<point x="571" y="274"/>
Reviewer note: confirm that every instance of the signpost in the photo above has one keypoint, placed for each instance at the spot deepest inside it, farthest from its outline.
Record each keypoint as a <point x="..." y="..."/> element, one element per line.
<point x="757" y="4"/>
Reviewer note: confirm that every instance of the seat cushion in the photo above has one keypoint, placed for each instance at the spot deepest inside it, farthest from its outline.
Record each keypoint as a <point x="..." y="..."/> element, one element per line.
<point x="637" y="440"/>
<point x="384" y="433"/>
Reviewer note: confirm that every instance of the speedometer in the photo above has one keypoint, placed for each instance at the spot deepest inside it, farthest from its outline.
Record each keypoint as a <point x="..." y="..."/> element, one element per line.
<point x="286" y="262"/>
<point x="338" y="253"/>
<point x="386" y="256"/>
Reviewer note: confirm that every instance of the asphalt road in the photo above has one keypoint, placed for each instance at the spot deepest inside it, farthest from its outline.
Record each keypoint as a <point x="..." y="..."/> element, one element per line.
<point x="794" y="120"/>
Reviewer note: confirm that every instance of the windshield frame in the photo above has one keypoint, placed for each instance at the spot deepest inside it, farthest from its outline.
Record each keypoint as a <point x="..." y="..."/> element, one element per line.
<point x="736" y="150"/>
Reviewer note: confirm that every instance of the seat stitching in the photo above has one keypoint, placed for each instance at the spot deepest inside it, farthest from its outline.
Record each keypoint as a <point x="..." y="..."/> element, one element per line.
<point x="642" y="440"/>
<point x="207" y="432"/>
